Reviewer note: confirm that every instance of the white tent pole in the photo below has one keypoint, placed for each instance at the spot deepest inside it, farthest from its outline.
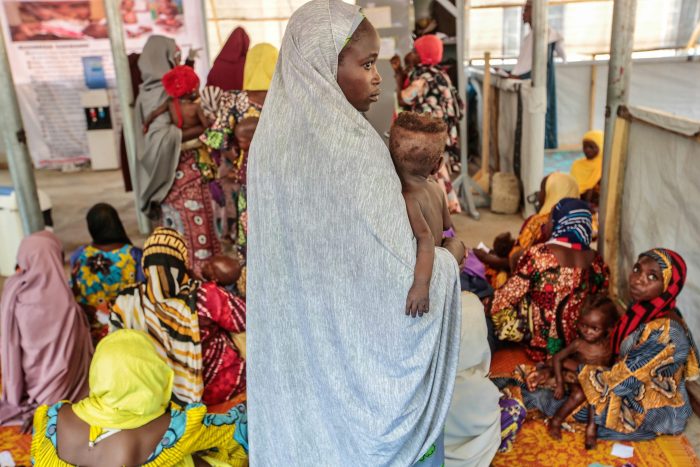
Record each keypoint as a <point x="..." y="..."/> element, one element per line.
<point x="463" y="9"/>
<point x="535" y="165"/>
<point x="18" y="159"/>
<point x="123" y="76"/>
<point x="619" y="72"/>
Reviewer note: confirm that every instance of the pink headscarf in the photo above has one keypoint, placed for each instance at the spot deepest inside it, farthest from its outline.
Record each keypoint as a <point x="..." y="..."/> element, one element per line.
<point x="227" y="71"/>
<point x="45" y="345"/>
<point x="429" y="49"/>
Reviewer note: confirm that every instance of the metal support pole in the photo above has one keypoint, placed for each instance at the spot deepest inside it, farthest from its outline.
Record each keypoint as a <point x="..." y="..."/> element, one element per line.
<point x="619" y="72"/>
<point x="533" y="165"/>
<point x="18" y="159"/>
<point x="123" y="77"/>
<point x="464" y="183"/>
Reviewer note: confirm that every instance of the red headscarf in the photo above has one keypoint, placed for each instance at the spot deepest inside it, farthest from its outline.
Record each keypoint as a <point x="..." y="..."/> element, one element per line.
<point x="673" y="270"/>
<point x="429" y="49"/>
<point x="227" y="71"/>
<point x="180" y="81"/>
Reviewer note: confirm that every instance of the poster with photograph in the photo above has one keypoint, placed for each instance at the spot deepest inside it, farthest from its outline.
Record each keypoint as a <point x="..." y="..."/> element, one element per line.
<point x="47" y="41"/>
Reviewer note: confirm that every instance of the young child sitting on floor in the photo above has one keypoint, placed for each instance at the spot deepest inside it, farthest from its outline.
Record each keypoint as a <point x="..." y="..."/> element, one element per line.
<point x="416" y="143"/>
<point x="591" y="348"/>
<point x="182" y="85"/>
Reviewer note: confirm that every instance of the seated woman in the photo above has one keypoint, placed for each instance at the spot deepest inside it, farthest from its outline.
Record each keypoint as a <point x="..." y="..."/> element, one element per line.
<point x="643" y="394"/>
<point x="554" y="188"/>
<point x="188" y="322"/>
<point x="589" y="169"/>
<point x="45" y="345"/>
<point x="102" y="269"/>
<point x="541" y="302"/>
<point x="128" y="419"/>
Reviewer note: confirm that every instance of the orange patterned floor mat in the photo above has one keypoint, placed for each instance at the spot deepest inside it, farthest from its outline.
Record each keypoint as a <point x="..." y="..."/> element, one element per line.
<point x="18" y="444"/>
<point x="533" y="448"/>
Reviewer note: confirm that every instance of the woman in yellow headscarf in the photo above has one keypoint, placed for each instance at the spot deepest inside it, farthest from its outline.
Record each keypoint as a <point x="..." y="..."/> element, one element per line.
<point x="554" y="188"/>
<point x="129" y="420"/>
<point x="232" y="107"/>
<point x="588" y="170"/>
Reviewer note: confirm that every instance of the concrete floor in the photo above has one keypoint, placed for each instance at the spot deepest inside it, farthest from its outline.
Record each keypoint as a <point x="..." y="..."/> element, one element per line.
<point x="72" y="194"/>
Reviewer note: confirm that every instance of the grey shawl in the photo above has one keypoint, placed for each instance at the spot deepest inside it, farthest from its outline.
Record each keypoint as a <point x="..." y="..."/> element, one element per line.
<point x="337" y="373"/>
<point x="158" y="151"/>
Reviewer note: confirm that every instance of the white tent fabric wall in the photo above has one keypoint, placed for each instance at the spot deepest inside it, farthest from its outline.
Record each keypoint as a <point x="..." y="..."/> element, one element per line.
<point x="667" y="84"/>
<point x="661" y="203"/>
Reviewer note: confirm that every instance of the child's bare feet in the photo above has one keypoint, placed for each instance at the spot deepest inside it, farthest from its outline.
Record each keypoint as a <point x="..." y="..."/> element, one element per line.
<point x="591" y="436"/>
<point x="554" y="428"/>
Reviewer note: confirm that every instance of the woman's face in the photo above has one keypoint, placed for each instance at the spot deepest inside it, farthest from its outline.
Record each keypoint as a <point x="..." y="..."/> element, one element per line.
<point x="590" y="149"/>
<point x="646" y="280"/>
<point x="357" y="68"/>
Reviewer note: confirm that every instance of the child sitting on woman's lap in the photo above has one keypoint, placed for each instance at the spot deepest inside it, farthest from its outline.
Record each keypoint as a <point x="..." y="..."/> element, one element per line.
<point x="592" y="347"/>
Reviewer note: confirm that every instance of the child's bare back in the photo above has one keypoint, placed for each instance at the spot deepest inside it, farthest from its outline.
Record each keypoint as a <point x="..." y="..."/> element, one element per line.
<point x="416" y="144"/>
<point x="182" y="86"/>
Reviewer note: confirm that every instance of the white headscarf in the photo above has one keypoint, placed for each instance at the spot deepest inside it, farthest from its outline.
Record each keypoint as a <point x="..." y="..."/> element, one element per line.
<point x="338" y="373"/>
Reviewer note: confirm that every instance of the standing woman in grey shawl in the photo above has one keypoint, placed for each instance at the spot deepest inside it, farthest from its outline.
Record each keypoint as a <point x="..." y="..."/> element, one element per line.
<point x="172" y="187"/>
<point x="338" y="374"/>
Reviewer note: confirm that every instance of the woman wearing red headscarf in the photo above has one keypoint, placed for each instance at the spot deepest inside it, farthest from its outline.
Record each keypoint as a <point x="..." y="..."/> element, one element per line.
<point x="227" y="71"/>
<point x="430" y="91"/>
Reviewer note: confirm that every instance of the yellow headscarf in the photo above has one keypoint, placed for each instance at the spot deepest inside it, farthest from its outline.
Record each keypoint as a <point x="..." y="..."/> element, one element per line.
<point x="259" y="67"/>
<point x="130" y="385"/>
<point x="558" y="186"/>
<point x="587" y="172"/>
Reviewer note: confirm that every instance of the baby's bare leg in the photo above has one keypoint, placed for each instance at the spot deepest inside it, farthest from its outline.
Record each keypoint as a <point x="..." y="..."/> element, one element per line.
<point x="576" y="397"/>
<point x="591" y="429"/>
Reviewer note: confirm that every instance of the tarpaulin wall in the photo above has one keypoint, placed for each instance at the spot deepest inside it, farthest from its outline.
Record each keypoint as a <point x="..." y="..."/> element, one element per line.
<point x="661" y="199"/>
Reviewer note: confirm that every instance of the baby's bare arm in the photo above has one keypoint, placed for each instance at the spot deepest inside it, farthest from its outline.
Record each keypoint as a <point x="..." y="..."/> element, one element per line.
<point x="160" y="110"/>
<point x="418" y="296"/>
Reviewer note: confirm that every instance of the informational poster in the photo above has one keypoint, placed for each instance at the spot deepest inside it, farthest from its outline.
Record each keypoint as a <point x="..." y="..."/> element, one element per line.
<point x="47" y="41"/>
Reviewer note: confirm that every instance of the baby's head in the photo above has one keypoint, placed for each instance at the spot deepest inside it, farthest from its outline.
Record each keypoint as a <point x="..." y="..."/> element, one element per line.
<point x="502" y="244"/>
<point x="597" y="319"/>
<point x="222" y="269"/>
<point x="416" y="143"/>
<point x="244" y="131"/>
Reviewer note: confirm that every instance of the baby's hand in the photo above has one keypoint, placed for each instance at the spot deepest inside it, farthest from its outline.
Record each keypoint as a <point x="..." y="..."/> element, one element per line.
<point x="559" y="391"/>
<point x="418" y="300"/>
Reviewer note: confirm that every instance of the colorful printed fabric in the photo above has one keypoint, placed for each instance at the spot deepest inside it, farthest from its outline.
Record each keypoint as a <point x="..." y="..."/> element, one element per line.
<point x="164" y="307"/>
<point x="188" y="209"/>
<point x="541" y="302"/>
<point x="98" y="276"/>
<point x="644" y="393"/>
<point x="431" y="91"/>
<point x="221" y="437"/>
<point x="513" y="414"/>
<point x="220" y="314"/>
<point x="573" y="226"/>
<point x="673" y="271"/>
<point x="531" y="233"/>
<point x="234" y="106"/>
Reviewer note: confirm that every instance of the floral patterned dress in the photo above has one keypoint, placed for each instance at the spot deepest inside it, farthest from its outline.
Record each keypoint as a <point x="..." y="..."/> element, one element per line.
<point x="98" y="276"/>
<point x="234" y="106"/>
<point x="540" y="304"/>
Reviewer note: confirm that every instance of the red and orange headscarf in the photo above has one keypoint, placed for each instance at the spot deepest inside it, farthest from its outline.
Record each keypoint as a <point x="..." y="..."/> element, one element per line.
<point x="673" y="271"/>
<point x="429" y="49"/>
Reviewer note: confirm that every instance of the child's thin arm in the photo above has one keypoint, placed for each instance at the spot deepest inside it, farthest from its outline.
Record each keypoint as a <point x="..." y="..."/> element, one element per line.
<point x="557" y="363"/>
<point x="446" y="217"/>
<point x="202" y="118"/>
<point x="160" y="110"/>
<point x="418" y="296"/>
